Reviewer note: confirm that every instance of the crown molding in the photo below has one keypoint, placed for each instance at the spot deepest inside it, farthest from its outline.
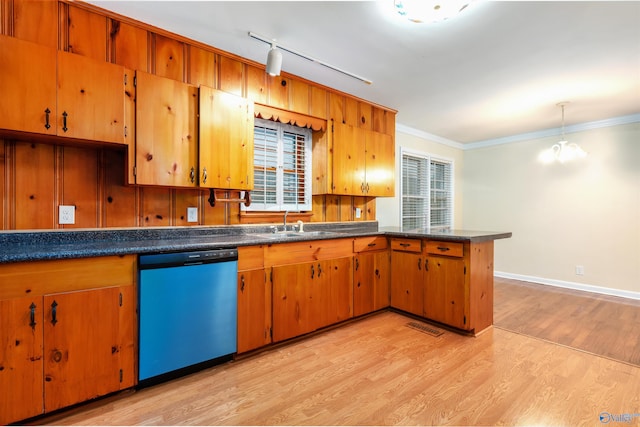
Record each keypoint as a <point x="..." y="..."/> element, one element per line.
<point x="614" y="121"/>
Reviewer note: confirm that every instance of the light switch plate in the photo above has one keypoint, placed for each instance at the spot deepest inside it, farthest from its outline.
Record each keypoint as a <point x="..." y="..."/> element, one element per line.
<point x="66" y="214"/>
<point x="192" y="214"/>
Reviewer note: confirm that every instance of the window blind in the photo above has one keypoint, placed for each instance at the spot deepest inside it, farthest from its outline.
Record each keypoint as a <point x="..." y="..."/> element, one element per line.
<point x="427" y="192"/>
<point x="282" y="167"/>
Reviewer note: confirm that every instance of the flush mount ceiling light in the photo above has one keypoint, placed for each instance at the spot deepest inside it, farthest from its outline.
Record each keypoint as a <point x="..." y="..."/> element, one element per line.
<point x="563" y="151"/>
<point x="274" y="59"/>
<point x="428" y="11"/>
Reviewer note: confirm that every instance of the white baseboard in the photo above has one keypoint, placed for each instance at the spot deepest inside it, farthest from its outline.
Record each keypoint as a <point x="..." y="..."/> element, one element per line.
<point x="570" y="285"/>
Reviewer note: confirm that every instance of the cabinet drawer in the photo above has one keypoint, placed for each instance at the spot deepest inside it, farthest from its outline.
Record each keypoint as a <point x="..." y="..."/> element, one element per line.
<point x="453" y="249"/>
<point x="371" y="243"/>
<point x="407" y="245"/>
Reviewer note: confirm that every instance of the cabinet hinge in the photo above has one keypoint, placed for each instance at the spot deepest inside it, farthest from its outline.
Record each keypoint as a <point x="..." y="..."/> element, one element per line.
<point x="464" y="320"/>
<point x="135" y="171"/>
<point x="121" y="375"/>
<point x="135" y="81"/>
<point x="271" y="276"/>
<point x="271" y="333"/>
<point x="125" y="131"/>
<point x="120" y="299"/>
<point x="125" y="79"/>
<point x="465" y="269"/>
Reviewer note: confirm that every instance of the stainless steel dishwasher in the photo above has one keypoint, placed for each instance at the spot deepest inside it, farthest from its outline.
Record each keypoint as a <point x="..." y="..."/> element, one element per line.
<point x="187" y="312"/>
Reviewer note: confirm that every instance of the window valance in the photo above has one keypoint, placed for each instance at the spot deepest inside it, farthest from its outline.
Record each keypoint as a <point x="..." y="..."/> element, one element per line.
<point x="268" y="112"/>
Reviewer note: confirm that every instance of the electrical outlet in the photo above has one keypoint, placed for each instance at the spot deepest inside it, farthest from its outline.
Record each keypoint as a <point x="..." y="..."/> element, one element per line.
<point x="580" y="270"/>
<point x="66" y="214"/>
<point x="358" y="212"/>
<point x="192" y="214"/>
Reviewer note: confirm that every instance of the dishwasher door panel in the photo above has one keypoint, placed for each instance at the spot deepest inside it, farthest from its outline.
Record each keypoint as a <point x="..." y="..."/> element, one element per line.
<point x="187" y="316"/>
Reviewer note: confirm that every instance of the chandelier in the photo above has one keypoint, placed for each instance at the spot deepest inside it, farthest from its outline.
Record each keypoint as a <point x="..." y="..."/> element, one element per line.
<point x="563" y="151"/>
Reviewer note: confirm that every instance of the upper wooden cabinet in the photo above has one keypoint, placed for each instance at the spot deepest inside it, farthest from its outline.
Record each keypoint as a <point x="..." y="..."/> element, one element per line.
<point x="363" y="161"/>
<point x="59" y="93"/>
<point x="166" y="132"/>
<point x="226" y="140"/>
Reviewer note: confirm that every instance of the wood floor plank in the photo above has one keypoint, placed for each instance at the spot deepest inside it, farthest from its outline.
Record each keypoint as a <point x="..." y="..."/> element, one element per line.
<point x="378" y="371"/>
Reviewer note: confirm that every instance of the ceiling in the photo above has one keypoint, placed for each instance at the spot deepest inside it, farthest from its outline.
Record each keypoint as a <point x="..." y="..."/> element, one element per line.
<point x="496" y="70"/>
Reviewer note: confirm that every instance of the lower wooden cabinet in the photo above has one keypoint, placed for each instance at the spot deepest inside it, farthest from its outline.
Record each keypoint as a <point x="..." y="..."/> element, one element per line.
<point x="371" y="274"/>
<point x="311" y="295"/>
<point x="445" y="292"/>
<point x="254" y="310"/>
<point x="407" y="276"/>
<point x="71" y="339"/>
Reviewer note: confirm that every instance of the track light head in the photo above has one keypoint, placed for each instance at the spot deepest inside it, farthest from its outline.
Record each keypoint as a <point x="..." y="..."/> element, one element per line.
<point x="274" y="61"/>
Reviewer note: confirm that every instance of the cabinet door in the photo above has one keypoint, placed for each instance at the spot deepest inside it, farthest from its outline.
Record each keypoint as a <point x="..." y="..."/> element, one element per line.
<point x="380" y="164"/>
<point x="83" y="343"/>
<point x="348" y="159"/>
<point x="28" y="86"/>
<point x="254" y="310"/>
<point x="370" y="282"/>
<point x="21" y="385"/>
<point x="332" y="292"/>
<point x="90" y="99"/>
<point x="407" y="282"/>
<point x="292" y="300"/>
<point x="445" y="292"/>
<point x="166" y="131"/>
<point x="226" y="140"/>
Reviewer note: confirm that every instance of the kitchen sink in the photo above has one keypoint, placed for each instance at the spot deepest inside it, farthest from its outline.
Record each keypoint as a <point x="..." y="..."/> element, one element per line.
<point x="294" y="234"/>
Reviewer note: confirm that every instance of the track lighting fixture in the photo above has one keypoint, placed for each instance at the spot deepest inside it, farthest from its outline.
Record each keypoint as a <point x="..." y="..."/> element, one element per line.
<point x="274" y="59"/>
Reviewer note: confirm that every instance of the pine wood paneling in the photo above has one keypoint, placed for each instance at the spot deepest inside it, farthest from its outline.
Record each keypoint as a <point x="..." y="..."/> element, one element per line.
<point x="318" y="102"/>
<point x="155" y="209"/>
<point x="36" y="21"/>
<point x="169" y="58"/>
<point x="216" y="215"/>
<point x="332" y="208"/>
<point x="130" y="46"/>
<point x="370" y="209"/>
<point x="87" y="33"/>
<point x="361" y="203"/>
<point x="351" y="111"/>
<point x="119" y="203"/>
<point x="256" y="84"/>
<point x="34" y="181"/>
<point x="336" y="107"/>
<point x="298" y="96"/>
<point x="346" y="203"/>
<point x="185" y="199"/>
<point x="230" y="75"/>
<point x="278" y="91"/>
<point x="80" y="185"/>
<point x="202" y="65"/>
<point x="318" y="208"/>
<point x="364" y="116"/>
<point x="378" y="120"/>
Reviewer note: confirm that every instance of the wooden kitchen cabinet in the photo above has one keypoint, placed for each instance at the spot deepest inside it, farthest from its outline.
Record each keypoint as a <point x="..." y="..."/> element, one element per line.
<point x="371" y="275"/>
<point x="71" y="339"/>
<point x="254" y="300"/>
<point x="21" y="362"/>
<point x="166" y="132"/>
<point x="407" y="276"/>
<point x="60" y="93"/>
<point x="445" y="293"/>
<point x="226" y="140"/>
<point x="363" y="162"/>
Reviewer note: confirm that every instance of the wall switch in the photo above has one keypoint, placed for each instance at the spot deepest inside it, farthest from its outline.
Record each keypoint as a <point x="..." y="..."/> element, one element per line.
<point x="580" y="270"/>
<point x="358" y="212"/>
<point x="66" y="214"/>
<point x="192" y="214"/>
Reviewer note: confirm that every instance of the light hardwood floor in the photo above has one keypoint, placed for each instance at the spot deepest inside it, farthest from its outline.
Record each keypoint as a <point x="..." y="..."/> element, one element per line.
<point x="378" y="371"/>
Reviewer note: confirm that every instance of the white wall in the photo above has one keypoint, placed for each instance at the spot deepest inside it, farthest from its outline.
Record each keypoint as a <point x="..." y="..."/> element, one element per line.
<point x="388" y="208"/>
<point x="562" y="215"/>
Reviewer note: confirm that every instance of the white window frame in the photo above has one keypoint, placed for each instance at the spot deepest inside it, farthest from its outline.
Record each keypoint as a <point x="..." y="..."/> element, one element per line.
<point x="280" y="205"/>
<point x="427" y="190"/>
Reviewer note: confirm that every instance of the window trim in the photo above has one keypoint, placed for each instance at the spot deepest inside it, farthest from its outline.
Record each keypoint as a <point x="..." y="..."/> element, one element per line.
<point x="280" y="205"/>
<point x="429" y="158"/>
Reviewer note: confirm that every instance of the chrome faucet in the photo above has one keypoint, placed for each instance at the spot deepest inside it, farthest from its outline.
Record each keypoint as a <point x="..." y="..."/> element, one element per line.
<point x="285" y="220"/>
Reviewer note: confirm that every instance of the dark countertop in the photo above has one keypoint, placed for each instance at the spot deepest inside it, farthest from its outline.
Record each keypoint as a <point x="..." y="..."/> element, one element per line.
<point x="35" y="245"/>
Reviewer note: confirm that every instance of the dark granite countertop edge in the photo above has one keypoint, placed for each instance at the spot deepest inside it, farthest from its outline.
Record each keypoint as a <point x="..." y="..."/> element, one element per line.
<point x="51" y="245"/>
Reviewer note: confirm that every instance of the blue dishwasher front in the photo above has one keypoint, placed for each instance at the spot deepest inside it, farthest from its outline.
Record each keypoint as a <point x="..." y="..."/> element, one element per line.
<point x="187" y="311"/>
